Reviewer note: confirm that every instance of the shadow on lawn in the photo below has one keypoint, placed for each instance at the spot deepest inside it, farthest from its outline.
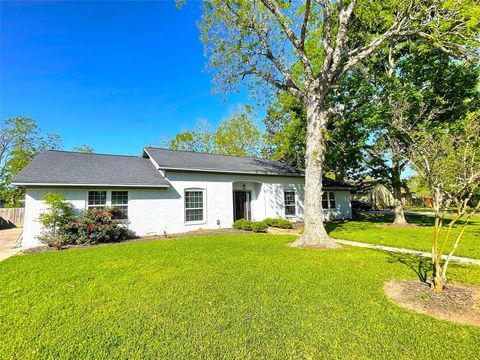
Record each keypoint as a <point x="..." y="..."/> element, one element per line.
<point x="419" y="265"/>
<point x="417" y="219"/>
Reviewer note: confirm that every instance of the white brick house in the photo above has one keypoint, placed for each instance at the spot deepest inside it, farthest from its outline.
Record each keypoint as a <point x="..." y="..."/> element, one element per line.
<point x="166" y="191"/>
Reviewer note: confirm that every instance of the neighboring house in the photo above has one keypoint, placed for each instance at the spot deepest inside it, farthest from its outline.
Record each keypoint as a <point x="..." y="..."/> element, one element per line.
<point x="373" y="192"/>
<point x="167" y="191"/>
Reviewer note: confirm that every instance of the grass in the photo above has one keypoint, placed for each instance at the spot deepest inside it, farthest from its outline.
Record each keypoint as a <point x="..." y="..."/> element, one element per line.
<point x="219" y="297"/>
<point x="372" y="229"/>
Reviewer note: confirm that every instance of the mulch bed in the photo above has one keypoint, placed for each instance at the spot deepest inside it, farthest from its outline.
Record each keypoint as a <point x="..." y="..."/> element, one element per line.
<point x="457" y="302"/>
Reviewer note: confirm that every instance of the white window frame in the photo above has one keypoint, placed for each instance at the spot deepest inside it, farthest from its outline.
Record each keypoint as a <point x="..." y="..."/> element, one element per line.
<point x="108" y="201"/>
<point x="88" y="206"/>
<point x="204" y="208"/>
<point x="112" y="205"/>
<point x="330" y="196"/>
<point x="294" y="202"/>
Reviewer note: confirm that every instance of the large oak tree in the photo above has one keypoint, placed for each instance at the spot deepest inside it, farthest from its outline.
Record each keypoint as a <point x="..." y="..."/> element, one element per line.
<point x="307" y="47"/>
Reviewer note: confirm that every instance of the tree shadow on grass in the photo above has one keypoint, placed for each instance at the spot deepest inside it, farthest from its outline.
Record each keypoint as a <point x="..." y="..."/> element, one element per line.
<point x="417" y="219"/>
<point x="421" y="266"/>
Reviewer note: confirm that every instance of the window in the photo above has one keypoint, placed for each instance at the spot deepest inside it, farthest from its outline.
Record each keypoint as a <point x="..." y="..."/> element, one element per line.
<point x="328" y="200"/>
<point x="194" y="207"/>
<point x="120" y="203"/>
<point x="331" y="199"/>
<point x="289" y="201"/>
<point x="97" y="200"/>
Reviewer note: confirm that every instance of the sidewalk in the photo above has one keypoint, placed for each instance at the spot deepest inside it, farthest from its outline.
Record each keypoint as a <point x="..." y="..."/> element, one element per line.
<point x="8" y="239"/>
<point x="458" y="259"/>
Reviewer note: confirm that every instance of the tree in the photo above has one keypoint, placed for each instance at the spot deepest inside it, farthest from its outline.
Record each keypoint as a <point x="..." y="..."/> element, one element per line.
<point x="20" y="141"/>
<point x="237" y="135"/>
<point x="274" y="44"/>
<point x="413" y="82"/>
<point x="198" y="140"/>
<point x="286" y="128"/>
<point x="448" y="159"/>
<point x="87" y="149"/>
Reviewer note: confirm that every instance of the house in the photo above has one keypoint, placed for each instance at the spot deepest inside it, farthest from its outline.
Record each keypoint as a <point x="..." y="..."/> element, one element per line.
<point x="373" y="192"/>
<point x="167" y="191"/>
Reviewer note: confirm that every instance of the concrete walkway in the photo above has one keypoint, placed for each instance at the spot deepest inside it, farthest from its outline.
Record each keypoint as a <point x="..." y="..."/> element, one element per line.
<point x="8" y="238"/>
<point x="458" y="259"/>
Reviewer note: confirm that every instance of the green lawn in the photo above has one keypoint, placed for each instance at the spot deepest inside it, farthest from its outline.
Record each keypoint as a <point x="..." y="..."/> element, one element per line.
<point x="372" y="229"/>
<point x="237" y="296"/>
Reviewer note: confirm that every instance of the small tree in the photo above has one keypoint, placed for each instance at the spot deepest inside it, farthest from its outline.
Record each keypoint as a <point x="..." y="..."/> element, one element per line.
<point x="449" y="161"/>
<point x="54" y="221"/>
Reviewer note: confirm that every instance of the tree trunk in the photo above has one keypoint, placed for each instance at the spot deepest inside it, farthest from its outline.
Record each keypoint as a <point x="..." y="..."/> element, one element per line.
<point x="397" y="190"/>
<point x="314" y="234"/>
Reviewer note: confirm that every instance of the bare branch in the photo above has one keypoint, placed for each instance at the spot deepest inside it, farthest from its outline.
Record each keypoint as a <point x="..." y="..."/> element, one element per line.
<point x="305" y="23"/>
<point x="291" y="36"/>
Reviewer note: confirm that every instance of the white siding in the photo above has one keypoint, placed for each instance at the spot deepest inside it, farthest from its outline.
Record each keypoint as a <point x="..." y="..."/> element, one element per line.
<point x="155" y="211"/>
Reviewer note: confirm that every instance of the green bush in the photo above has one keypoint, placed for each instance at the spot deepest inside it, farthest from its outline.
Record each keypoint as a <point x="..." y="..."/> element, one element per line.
<point x="97" y="227"/>
<point x="279" y="223"/>
<point x="238" y="224"/>
<point x="259" y="226"/>
<point x="248" y="225"/>
<point x="55" y="220"/>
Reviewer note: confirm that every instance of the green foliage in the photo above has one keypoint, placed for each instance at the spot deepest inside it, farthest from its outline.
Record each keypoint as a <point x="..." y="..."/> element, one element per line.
<point x="173" y="299"/>
<point x="279" y="223"/>
<point x="97" y="226"/>
<point x="55" y="220"/>
<point x="84" y="149"/>
<point x="248" y="225"/>
<point x="286" y="128"/>
<point x="243" y="224"/>
<point x="237" y="135"/>
<point x="259" y="227"/>
<point x="198" y="140"/>
<point x="20" y="141"/>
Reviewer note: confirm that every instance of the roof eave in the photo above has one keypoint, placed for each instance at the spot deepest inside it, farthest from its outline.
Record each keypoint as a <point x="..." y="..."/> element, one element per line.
<point x="90" y="185"/>
<point x="229" y="171"/>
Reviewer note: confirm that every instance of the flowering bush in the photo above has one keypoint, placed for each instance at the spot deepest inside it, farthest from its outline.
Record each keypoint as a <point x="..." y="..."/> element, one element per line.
<point x="97" y="226"/>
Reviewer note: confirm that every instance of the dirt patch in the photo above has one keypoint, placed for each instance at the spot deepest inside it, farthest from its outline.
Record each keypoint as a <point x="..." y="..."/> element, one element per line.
<point x="458" y="303"/>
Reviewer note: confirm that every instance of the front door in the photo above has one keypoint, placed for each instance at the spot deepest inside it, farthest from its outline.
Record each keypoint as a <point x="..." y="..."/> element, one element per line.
<point x="241" y="205"/>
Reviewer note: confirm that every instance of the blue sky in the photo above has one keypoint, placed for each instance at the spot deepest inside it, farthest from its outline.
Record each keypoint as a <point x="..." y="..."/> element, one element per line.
<point x="114" y="75"/>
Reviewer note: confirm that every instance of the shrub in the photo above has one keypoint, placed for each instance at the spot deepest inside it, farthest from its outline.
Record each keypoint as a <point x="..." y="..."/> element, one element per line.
<point x="243" y="224"/>
<point x="259" y="226"/>
<point x="238" y="224"/>
<point x="279" y="223"/>
<point x="97" y="227"/>
<point x="55" y="220"/>
<point x="248" y="225"/>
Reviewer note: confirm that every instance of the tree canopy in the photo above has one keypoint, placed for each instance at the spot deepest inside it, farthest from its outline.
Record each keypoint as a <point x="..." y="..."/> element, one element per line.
<point x="237" y="135"/>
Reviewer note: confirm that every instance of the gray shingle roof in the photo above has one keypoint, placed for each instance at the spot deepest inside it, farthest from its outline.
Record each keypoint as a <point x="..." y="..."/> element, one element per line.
<point x="74" y="169"/>
<point x="192" y="161"/>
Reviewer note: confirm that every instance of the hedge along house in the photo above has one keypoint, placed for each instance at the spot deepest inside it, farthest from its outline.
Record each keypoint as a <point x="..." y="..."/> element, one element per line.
<point x="167" y="191"/>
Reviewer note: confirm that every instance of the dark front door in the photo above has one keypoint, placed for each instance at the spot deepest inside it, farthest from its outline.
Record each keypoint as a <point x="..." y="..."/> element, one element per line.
<point x="241" y="205"/>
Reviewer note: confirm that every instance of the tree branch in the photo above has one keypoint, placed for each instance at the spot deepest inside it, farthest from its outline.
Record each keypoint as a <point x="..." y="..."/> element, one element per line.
<point x="291" y="37"/>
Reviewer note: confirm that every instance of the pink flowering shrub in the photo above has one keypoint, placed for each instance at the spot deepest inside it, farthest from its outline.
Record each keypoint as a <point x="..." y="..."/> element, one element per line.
<point x="97" y="227"/>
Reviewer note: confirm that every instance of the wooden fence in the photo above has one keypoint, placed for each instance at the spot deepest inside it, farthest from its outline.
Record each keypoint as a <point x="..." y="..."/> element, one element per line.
<point x="10" y="217"/>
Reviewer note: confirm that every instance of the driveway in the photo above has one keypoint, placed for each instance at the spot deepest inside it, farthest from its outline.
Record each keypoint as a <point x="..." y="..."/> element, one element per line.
<point x="8" y="238"/>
